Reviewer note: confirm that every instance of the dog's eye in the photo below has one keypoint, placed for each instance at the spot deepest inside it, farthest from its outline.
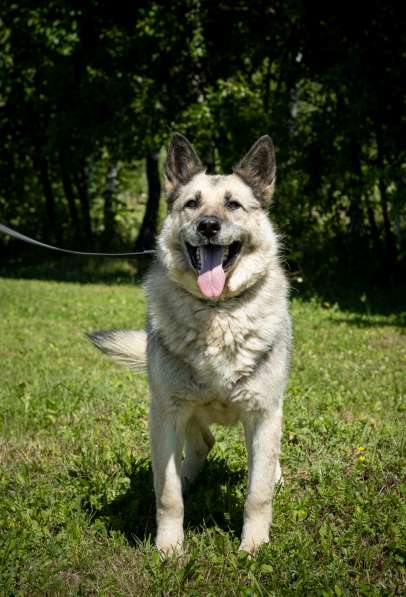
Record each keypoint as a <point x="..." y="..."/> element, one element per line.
<point x="191" y="204"/>
<point x="233" y="205"/>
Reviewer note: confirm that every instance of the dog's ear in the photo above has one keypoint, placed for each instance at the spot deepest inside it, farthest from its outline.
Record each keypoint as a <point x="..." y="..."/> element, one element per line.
<point x="182" y="162"/>
<point x="258" y="169"/>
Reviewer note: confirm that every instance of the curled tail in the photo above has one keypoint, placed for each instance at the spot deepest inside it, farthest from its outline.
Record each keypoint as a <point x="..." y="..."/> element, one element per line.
<point x="127" y="347"/>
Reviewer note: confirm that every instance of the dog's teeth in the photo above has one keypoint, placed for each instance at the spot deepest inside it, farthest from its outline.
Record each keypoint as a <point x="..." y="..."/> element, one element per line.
<point x="226" y="250"/>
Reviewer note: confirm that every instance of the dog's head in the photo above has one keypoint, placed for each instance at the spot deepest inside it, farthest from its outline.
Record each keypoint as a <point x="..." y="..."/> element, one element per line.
<point x="217" y="239"/>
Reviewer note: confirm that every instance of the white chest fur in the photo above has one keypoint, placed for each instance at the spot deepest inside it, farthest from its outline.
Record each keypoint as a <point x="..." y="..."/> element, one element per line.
<point x="222" y="343"/>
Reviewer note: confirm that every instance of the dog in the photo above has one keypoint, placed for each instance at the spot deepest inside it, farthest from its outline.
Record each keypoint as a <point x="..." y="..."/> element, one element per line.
<point x="218" y="336"/>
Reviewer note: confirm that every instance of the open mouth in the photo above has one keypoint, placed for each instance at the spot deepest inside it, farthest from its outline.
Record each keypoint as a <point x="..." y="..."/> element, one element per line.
<point x="211" y="262"/>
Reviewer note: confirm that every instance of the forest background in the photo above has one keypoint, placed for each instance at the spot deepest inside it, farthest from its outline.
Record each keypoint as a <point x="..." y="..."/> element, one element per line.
<point x="91" y="91"/>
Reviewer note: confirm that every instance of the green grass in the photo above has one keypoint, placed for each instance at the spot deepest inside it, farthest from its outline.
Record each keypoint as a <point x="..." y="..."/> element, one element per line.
<point x="76" y="500"/>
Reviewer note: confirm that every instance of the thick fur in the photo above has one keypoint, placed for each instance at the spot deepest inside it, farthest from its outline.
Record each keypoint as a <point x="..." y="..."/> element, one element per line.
<point x="221" y="360"/>
<point x="127" y="347"/>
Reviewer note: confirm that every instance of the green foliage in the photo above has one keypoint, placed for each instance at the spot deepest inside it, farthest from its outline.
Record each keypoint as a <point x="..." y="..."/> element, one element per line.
<point x="76" y="499"/>
<point x="87" y="89"/>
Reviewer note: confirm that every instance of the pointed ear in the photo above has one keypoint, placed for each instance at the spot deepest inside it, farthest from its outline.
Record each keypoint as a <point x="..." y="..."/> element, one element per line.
<point x="258" y="169"/>
<point x="182" y="162"/>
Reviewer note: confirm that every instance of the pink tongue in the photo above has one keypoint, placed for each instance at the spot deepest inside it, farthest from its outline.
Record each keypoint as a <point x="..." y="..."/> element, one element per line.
<point x="211" y="278"/>
<point x="211" y="283"/>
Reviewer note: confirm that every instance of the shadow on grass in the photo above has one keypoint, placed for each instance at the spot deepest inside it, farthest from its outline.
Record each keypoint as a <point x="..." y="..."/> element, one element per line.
<point x="216" y="499"/>
<point x="81" y="270"/>
<point x="371" y="305"/>
<point x="398" y="321"/>
<point x="365" y="301"/>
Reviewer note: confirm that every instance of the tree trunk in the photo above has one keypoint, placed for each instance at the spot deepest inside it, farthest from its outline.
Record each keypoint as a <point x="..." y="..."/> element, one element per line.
<point x="389" y="238"/>
<point x="390" y="243"/>
<point x="108" y="208"/>
<point x="81" y="185"/>
<point x="267" y="85"/>
<point x="376" y="240"/>
<point x="70" y="197"/>
<point x="355" y="195"/>
<point x="209" y="160"/>
<point x="147" y="233"/>
<point x="51" y="229"/>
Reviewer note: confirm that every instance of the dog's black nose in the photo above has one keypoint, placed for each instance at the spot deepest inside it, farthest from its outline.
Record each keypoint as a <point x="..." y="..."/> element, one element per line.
<point x="209" y="226"/>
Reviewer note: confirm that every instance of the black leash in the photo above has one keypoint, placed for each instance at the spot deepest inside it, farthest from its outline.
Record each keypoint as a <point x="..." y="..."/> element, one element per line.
<point x="27" y="239"/>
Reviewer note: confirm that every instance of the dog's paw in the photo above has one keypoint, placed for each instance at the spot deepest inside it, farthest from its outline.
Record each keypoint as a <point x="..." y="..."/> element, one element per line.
<point x="252" y="544"/>
<point x="169" y="543"/>
<point x="169" y="550"/>
<point x="253" y="537"/>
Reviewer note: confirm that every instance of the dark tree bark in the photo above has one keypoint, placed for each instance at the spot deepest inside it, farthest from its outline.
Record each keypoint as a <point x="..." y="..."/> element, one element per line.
<point x="209" y="160"/>
<point x="267" y="85"/>
<point x="70" y="197"/>
<point x="108" y="208"/>
<point x="376" y="240"/>
<point x="390" y="243"/>
<point x="355" y="193"/>
<point x="147" y="233"/>
<point x="81" y="185"/>
<point x="389" y="237"/>
<point x="51" y="229"/>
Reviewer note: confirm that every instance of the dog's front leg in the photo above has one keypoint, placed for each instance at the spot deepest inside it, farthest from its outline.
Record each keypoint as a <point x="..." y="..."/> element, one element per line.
<point x="263" y="436"/>
<point x="166" y="428"/>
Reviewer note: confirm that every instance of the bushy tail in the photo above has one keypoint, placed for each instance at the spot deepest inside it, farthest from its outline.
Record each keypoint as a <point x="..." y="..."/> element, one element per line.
<point x="128" y="347"/>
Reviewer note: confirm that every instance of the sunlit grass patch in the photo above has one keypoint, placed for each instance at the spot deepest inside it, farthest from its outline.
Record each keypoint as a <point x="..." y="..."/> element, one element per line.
<point x="76" y="505"/>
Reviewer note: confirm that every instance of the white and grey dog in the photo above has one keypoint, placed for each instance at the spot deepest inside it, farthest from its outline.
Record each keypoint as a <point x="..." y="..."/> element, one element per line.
<point x="218" y="337"/>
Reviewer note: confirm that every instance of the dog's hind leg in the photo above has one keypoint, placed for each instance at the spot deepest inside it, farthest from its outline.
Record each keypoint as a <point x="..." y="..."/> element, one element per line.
<point x="199" y="442"/>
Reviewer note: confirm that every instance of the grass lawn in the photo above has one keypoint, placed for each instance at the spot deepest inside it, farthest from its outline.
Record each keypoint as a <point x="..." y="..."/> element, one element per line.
<point x="76" y="499"/>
